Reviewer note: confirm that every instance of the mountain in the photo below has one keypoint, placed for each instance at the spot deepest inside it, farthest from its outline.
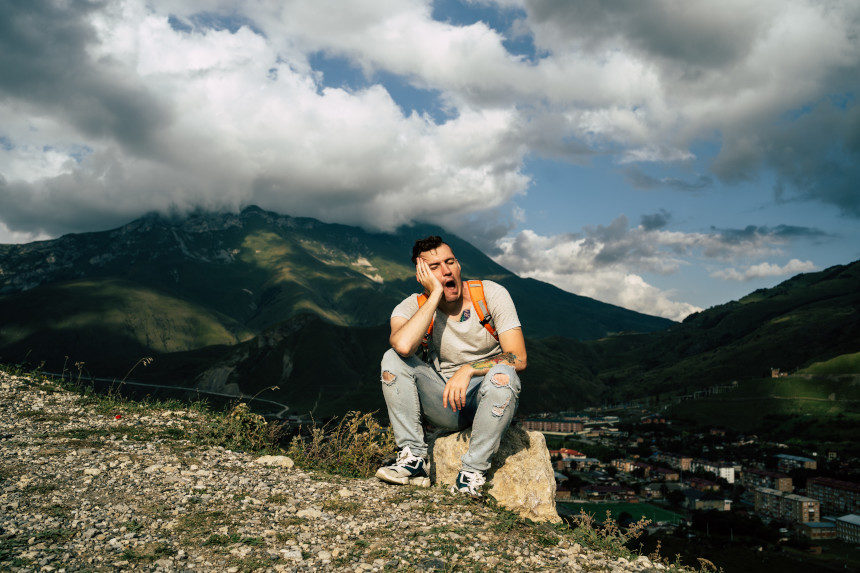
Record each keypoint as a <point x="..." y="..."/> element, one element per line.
<point x="328" y="369"/>
<point x="808" y="318"/>
<point x="163" y="285"/>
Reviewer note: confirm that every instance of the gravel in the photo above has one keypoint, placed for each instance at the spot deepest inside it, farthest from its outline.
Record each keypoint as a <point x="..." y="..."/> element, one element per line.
<point x="83" y="490"/>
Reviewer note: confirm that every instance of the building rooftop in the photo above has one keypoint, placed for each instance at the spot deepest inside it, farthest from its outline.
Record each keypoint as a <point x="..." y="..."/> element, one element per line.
<point x="851" y="518"/>
<point x="835" y="483"/>
<point x="770" y="474"/>
<point x="794" y="458"/>
<point x="820" y="524"/>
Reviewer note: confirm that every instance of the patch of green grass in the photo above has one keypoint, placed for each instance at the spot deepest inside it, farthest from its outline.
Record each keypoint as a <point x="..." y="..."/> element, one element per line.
<point x="248" y="564"/>
<point x="78" y="444"/>
<point x="42" y="416"/>
<point x="58" y="510"/>
<point x="133" y="526"/>
<point x="149" y="552"/>
<point x="341" y="506"/>
<point x="221" y="539"/>
<point x="637" y="511"/>
<point x="54" y="535"/>
<point x="83" y="433"/>
<point x="843" y="364"/>
<point x="41" y="488"/>
<point x="9" y="545"/>
<point x="280" y="498"/>
<point x="292" y="521"/>
<point x="200" y="521"/>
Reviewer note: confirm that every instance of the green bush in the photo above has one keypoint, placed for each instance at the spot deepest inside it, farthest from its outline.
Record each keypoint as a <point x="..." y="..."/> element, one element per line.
<point x="241" y="429"/>
<point x="354" y="446"/>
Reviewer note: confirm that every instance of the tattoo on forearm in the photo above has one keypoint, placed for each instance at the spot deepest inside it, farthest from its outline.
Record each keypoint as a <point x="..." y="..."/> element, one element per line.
<point x="504" y="358"/>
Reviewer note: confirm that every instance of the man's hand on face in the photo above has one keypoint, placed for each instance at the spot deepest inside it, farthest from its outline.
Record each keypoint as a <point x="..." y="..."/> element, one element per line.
<point x="426" y="277"/>
<point x="455" y="389"/>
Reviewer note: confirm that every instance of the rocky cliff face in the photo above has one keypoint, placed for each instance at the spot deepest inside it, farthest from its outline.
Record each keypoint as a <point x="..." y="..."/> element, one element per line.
<point x="87" y="489"/>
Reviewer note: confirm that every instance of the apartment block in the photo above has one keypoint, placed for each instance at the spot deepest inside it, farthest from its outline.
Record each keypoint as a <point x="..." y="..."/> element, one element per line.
<point x="553" y="425"/>
<point x="788" y="506"/>
<point x="786" y="462"/>
<point x="753" y="478"/>
<point x="677" y="461"/>
<point x="848" y="528"/>
<point x="836" y="496"/>
<point x="720" y="469"/>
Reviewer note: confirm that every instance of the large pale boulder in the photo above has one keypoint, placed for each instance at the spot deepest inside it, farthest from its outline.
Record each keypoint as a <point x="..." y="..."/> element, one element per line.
<point x="520" y="478"/>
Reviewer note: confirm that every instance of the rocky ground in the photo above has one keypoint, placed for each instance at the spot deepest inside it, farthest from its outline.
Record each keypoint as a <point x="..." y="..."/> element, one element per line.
<point x="83" y="490"/>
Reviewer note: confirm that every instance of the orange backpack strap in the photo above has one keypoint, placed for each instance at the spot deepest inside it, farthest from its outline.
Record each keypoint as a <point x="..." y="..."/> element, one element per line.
<point x="476" y="292"/>
<point x="425" y="342"/>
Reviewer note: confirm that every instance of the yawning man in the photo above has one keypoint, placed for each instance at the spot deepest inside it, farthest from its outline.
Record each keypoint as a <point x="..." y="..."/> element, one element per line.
<point x="455" y="354"/>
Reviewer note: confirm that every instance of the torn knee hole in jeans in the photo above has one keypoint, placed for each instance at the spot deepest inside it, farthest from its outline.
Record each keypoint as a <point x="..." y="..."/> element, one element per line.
<point x="500" y="379"/>
<point x="388" y="377"/>
<point x="499" y="409"/>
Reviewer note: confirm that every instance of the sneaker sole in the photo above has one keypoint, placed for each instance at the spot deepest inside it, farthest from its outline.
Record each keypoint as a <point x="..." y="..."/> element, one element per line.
<point x="416" y="481"/>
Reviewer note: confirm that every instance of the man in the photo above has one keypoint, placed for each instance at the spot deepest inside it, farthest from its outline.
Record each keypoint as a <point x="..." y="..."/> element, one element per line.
<point x="469" y="378"/>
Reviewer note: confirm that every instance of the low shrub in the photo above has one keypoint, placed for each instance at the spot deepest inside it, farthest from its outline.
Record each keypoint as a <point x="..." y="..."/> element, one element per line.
<point x="354" y="446"/>
<point x="241" y="429"/>
<point x="607" y="536"/>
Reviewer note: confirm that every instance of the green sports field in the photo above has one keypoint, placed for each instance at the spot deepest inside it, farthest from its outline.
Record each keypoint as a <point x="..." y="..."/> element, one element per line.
<point x="637" y="510"/>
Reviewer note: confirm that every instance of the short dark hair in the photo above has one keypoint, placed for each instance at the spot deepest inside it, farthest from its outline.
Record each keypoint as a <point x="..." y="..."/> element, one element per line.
<point x="427" y="244"/>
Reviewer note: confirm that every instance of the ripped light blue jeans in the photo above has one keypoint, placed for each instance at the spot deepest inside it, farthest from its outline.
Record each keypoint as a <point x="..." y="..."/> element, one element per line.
<point x="412" y="388"/>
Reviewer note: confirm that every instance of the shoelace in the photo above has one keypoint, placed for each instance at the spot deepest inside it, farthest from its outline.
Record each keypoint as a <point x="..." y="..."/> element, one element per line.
<point x="406" y="457"/>
<point x="474" y="480"/>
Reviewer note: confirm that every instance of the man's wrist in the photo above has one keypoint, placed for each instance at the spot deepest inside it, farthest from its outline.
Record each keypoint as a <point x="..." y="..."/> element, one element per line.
<point x="468" y="369"/>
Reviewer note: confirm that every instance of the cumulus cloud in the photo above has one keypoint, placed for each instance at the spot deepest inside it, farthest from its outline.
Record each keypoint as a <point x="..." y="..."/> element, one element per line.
<point x="218" y="118"/>
<point x="608" y="262"/>
<point x="760" y="270"/>
<point x="574" y="263"/>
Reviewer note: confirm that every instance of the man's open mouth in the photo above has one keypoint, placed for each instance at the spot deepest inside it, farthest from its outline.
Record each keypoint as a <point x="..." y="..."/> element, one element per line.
<point x="450" y="284"/>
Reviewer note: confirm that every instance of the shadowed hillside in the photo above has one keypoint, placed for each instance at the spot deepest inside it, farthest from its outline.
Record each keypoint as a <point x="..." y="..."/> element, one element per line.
<point x="161" y="285"/>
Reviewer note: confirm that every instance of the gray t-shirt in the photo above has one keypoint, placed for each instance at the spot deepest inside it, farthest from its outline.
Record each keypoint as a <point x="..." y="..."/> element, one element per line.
<point x="461" y="339"/>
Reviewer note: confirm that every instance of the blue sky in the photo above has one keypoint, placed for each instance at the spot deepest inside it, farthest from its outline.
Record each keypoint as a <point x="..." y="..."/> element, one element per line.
<point x="658" y="155"/>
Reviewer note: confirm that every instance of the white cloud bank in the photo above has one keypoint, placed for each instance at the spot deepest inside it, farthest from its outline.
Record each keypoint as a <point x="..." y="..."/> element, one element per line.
<point x="125" y="107"/>
<point x="761" y="270"/>
<point x="607" y="262"/>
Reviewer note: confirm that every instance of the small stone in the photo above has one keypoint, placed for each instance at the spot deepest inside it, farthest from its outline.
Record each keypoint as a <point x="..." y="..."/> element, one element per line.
<point x="310" y="513"/>
<point x="275" y="461"/>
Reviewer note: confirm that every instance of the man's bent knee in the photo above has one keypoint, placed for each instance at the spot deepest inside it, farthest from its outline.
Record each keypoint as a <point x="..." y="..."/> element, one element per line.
<point x="500" y="379"/>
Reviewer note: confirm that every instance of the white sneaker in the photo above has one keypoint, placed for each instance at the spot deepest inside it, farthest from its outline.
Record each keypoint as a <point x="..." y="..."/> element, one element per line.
<point x="469" y="483"/>
<point x="408" y="469"/>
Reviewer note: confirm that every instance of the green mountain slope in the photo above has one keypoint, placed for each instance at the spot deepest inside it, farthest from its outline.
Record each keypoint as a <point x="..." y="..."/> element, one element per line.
<point x="160" y="285"/>
<point x="810" y="317"/>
